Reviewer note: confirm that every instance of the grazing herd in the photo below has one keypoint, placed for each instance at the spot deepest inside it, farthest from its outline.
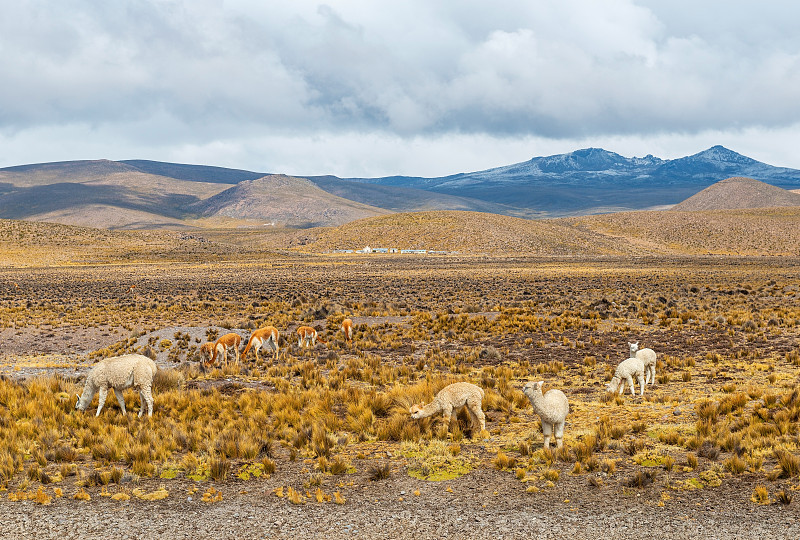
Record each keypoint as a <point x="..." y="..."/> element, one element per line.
<point x="137" y="371"/>
<point x="552" y="407"/>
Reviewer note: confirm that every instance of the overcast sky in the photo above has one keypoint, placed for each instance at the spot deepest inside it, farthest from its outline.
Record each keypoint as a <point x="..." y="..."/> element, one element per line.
<point x="417" y="87"/>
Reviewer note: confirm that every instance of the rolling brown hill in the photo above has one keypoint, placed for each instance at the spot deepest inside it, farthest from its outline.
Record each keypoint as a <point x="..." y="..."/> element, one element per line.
<point x="100" y="193"/>
<point x="772" y="231"/>
<point x="148" y="195"/>
<point x="467" y="232"/>
<point x="739" y="192"/>
<point x="32" y="243"/>
<point x="284" y="201"/>
<point x="769" y="231"/>
<point x="753" y="231"/>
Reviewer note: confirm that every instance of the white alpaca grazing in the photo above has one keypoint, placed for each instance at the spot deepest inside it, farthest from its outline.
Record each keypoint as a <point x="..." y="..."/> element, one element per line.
<point x="552" y="407"/>
<point x="119" y="373"/>
<point x="626" y="371"/>
<point x="454" y="397"/>
<point x="648" y="357"/>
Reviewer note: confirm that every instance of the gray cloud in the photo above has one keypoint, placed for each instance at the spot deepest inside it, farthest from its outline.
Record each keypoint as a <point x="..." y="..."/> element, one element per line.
<point x="165" y="76"/>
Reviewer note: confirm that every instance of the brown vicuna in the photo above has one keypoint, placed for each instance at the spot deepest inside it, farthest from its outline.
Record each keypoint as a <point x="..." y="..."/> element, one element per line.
<point x="267" y="336"/>
<point x="347" y="330"/>
<point x="206" y="354"/>
<point x="221" y="346"/>
<point x="307" y="337"/>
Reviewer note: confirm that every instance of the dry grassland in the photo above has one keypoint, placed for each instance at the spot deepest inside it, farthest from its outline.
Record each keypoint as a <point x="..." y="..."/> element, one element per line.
<point x="758" y="231"/>
<point x="725" y="407"/>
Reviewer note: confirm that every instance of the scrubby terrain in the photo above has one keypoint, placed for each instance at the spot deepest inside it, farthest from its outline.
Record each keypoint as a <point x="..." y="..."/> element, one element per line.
<point x="320" y="443"/>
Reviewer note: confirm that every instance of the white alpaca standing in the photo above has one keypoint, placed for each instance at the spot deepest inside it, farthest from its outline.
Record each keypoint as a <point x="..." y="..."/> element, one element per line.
<point x="648" y="357"/>
<point x="551" y="407"/>
<point x="625" y="372"/>
<point x="119" y="373"/>
<point x="453" y="397"/>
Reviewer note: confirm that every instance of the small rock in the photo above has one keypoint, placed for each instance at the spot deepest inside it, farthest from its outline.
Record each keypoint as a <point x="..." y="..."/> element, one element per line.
<point x="677" y="411"/>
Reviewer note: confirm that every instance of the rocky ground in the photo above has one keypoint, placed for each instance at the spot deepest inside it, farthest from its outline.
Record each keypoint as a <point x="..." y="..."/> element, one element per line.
<point x="483" y="504"/>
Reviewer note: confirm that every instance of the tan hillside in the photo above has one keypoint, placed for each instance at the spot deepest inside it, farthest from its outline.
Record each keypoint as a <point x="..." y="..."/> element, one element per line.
<point x="32" y="243"/>
<point x="42" y="174"/>
<point x="762" y="231"/>
<point x="99" y="194"/>
<point x="467" y="232"/>
<point x="284" y="201"/>
<point x="739" y="192"/>
<point x="108" y="217"/>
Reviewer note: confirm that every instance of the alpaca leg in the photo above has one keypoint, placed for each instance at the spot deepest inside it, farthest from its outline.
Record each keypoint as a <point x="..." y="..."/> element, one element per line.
<point x="102" y="399"/>
<point x="448" y="417"/>
<point x="473" y="420"/>
<point x="630" y="383"/>
<point x="547" y="429"/>
<point x="621" y="387"/>
<point x="120" y="399"/>
<point x="640" y="379"/>
<point x="480" y="416"/>
<point x="653" y="374"/>
<point x="146" y="397"/>
<point x="559" y="432"/>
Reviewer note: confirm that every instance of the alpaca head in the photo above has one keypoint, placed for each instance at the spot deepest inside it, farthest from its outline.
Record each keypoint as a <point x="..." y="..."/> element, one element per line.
<point x="416" y="412"/>
<point x="531" y="388"/>
<point x="80" y="405"/>
<point x="613" y="385"/>
<point x="634" y="347"/>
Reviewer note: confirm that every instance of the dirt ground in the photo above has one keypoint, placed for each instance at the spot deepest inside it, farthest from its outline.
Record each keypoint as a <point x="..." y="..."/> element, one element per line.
<point x="483" y="503"/>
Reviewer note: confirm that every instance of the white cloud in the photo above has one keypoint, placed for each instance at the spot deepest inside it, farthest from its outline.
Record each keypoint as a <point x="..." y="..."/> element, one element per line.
<point x="448" y="85"/>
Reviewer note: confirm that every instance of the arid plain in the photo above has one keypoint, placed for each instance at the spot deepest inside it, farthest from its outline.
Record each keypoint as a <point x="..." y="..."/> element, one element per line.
<point x="320" y="442"/>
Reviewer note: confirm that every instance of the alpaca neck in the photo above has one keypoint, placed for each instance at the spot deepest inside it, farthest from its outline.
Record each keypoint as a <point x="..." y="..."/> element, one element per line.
<point x="538" y="400"/>
<point x="88" y="393"/>
<point x="431" y="408"/>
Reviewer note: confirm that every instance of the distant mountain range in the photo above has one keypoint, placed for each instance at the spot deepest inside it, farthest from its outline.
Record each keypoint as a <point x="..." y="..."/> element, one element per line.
<point x="150" y="194"/>
<point x="594" y="180"/>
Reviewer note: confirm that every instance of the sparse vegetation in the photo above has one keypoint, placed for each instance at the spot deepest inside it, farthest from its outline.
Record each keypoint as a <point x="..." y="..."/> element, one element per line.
<point x="725" y="402"/>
